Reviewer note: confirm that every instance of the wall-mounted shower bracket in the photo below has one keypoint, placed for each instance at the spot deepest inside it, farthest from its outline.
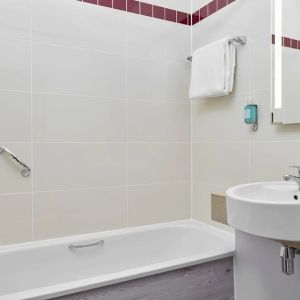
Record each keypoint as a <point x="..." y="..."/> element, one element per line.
<point x="25" y="172"/>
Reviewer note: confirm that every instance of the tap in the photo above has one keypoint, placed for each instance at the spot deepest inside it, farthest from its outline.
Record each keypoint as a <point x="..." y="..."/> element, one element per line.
<point x="293" y="177"/>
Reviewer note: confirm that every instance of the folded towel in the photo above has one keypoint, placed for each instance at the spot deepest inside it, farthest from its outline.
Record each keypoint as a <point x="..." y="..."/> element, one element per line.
<point x="213" y="69"/>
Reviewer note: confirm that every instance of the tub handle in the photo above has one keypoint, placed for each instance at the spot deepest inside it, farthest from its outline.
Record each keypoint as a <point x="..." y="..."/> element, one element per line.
<point x="79" y="246"/>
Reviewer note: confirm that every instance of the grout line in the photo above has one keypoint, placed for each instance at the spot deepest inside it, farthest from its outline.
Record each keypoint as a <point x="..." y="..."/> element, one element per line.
<point x="224" y="142"/>
<point x="31" y="123"/>
<point x="251" y="95"/>
<point x="191" y="125"/>
<point x="95" y="188"/>
<point x="149" y="142"/>
<point x="102" y="98"/>
<point x="91" y="143"/>
<point x="127" y="128"/>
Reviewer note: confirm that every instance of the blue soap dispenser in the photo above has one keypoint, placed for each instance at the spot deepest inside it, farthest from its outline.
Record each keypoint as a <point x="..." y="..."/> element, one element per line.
<point x="251" y="116"/>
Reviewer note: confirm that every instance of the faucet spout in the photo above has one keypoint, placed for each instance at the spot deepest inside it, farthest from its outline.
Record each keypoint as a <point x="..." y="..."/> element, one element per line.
<point x="293" y="178"/>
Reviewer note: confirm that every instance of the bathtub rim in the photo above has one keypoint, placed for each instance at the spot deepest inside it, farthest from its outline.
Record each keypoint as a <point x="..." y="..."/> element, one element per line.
<point x="82" y="285"/>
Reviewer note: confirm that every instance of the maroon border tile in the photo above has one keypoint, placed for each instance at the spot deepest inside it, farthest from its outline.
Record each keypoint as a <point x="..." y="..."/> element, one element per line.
<point x="106" y="3"/>
<point x="212" y="7"/>
<point x="294" y="44"/>
<point x="195" y="17"/>
<point x="221" y="4"/>
<point x="170" y="15"/>
<point x="203" y="12"/>
<point x="158" y="12"/>
<point x="119" y="4"/>
<point x="133" y="6"/>
<point x="287" y="42"/>
<point x="91" y="1"/>
<point x="182" y="17"/>
<point x="146" y="9"/>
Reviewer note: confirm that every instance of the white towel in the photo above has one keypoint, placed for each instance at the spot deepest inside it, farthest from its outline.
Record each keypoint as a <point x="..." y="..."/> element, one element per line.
<point x="213" y="69"/>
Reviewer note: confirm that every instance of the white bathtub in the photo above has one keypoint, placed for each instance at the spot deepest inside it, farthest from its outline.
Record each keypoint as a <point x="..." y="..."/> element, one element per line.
<point x="46" y="269"/>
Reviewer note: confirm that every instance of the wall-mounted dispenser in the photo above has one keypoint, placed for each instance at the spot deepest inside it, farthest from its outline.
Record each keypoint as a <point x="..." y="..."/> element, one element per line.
<point x="251" y="116"/>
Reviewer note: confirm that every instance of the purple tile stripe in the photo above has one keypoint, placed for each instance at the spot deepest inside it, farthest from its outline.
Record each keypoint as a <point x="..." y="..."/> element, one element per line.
<point x="288" y="42"/>
<point x="163" y="13"/>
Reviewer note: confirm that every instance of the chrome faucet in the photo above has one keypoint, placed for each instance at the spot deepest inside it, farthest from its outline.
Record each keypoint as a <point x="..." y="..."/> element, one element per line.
<point x="294" y="178"/>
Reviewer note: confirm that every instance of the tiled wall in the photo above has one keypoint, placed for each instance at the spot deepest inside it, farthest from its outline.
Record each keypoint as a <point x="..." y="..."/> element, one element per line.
<point x="103" y="117"/>
<point x="95" y="101"/>
<point x="225" y="151"/>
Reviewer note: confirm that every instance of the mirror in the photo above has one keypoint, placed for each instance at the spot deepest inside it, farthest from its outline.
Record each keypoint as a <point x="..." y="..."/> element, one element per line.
<point x="286" y="63"/>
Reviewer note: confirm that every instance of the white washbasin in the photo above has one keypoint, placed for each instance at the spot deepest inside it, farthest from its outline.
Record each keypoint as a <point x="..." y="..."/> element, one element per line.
<point x="266" y="209"/>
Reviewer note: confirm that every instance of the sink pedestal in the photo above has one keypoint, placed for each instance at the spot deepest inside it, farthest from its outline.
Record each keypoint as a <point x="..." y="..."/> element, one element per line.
<point x="258" y="270"/>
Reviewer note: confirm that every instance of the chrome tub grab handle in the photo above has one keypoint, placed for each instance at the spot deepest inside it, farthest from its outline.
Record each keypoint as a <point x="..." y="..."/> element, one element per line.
<point x="80" y="246"/>
<point x="25" y="172"/>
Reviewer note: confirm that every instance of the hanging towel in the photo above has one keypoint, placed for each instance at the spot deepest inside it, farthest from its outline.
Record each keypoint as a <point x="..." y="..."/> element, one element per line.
<point x="213" y="69"/>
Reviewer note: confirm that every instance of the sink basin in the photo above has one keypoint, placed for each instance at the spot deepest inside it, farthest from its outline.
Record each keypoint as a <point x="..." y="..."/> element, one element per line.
<point x="266" y="209"/>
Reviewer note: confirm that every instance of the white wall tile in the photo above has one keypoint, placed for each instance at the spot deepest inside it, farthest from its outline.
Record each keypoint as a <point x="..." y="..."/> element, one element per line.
<point x="158" y="203"/>
<point x="63" y="166"/>
<point x="15" y="64"/>
<point x="158" y="122"/>
<point x="261" y="63"/>
<point x="84" y="25"/>
<point x="220" y="119"/>
<point x="78" y="72"/>
<point x="77" y="212"/>
<point x="10" y="177"/>
<point x="223" y="164"/>
<point x="160" y="41"/>
<point x="158" y="80"/>
<point x="271" y="160"/>
<point x="60" y="118"/>
<point x="158" y="162"/>
<point x="15" y="218"/>
<point x="15" y="114"/>
<point x="15" y="19"/>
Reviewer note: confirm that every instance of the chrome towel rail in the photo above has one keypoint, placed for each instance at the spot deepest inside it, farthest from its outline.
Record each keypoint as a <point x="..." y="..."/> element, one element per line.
<point x="242" y="40"/>
<point x="25" y="172"/>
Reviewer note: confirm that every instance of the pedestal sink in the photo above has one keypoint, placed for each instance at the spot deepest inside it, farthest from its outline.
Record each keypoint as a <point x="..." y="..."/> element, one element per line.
<point x="267" y="209"/>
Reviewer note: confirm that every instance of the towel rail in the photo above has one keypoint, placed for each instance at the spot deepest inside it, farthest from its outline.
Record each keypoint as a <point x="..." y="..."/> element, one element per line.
<point x="25" y="172"/>
<point x="242" y="40"/>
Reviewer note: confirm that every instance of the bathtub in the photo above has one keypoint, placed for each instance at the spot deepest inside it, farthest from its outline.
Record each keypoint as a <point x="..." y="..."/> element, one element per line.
<point x="57" y="267"/>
